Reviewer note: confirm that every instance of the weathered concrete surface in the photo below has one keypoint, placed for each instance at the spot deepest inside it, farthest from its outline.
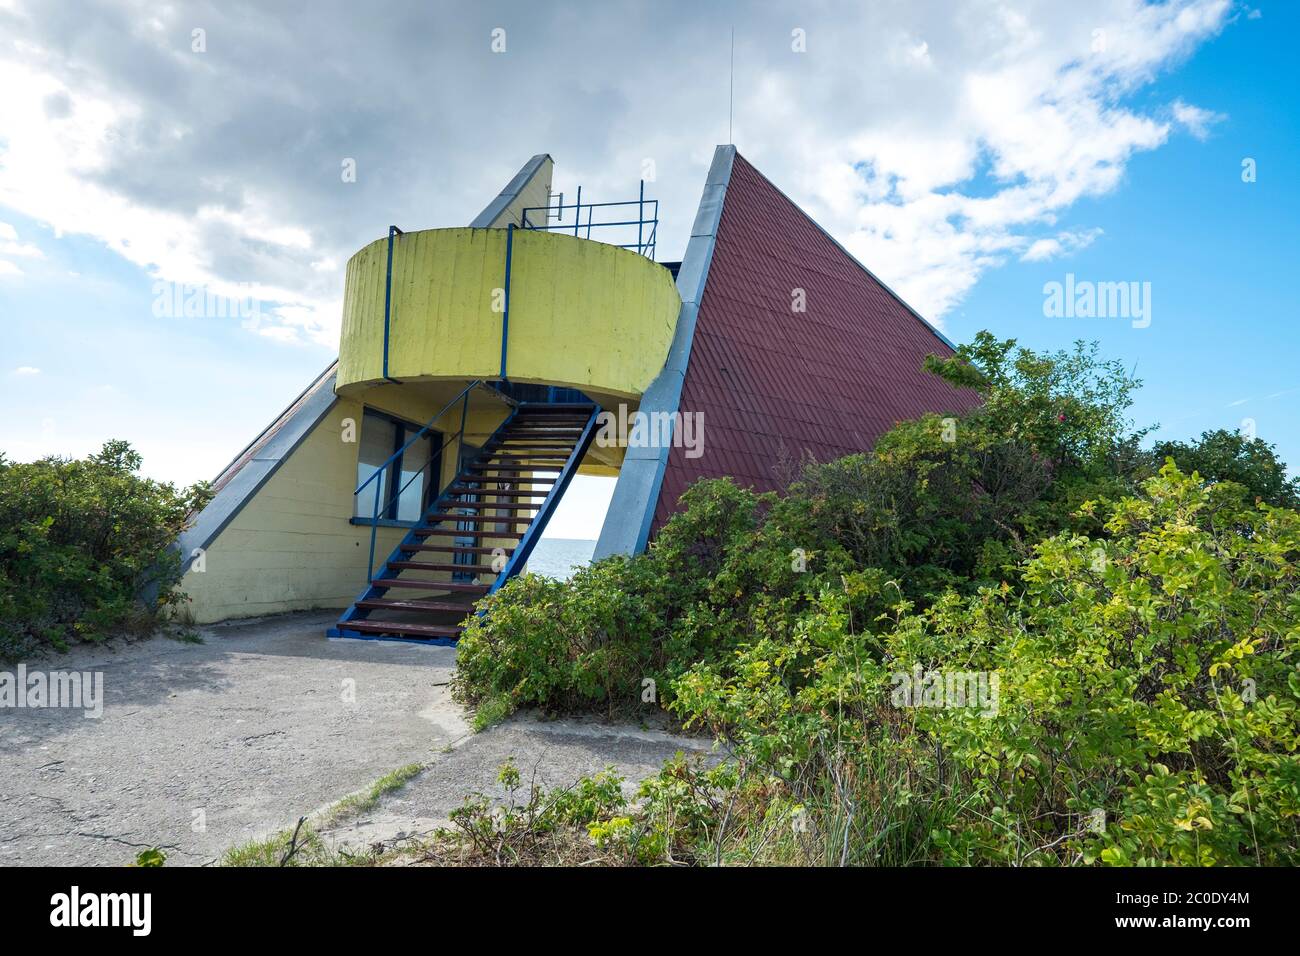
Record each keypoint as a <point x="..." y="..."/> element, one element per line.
<point x="251" y="727"/>
<point x="550" y="753"/>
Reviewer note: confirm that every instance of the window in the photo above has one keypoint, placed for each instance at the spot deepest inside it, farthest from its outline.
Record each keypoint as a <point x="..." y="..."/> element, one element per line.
<point x="414" y="477"/>
<point x="408" y="481"/>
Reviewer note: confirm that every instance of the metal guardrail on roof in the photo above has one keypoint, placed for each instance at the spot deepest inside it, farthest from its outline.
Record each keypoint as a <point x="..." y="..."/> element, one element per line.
<point x="646" y="221"/>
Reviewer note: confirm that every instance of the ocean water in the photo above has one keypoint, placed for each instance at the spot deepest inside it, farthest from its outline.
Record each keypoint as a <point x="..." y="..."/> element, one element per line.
<point x="557" y="557"/>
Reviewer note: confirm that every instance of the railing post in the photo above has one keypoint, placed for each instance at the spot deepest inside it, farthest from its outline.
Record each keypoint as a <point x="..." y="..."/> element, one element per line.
<point x="374" y="528"/>
<point x="377" y="475"/>
<point x="577" y="212"/>
<point x="460" y="444"/>
<point x="388" y="295"/>
<point x="505" y="317"/>
<point x="640" y="217"/>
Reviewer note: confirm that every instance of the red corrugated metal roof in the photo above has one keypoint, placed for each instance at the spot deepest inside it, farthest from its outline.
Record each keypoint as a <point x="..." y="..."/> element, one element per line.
<point x="770" y="382"/>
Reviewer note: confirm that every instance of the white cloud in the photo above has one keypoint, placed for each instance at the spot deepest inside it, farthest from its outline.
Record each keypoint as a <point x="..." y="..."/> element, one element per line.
<point x="23" y="249"/>
<point x="933" y="178"/>
<point x="49" y="169"/>
<point x="10" y="246"/>
<point x="935" y="140"/>
<point x="1195" y="120"/>
<point x="27" y="370"/>
<point x="279" y="333"/>
<point x="1062" y="243"/>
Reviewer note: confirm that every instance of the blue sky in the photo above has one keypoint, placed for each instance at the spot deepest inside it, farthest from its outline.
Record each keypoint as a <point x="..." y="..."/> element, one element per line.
<point x="127" y="157"/>
<point x="1221" y="254"/>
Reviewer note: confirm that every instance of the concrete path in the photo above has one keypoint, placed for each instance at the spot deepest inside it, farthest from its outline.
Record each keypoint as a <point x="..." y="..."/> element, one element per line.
<point x="202" y="747"/>
<point x="549" y="753"/>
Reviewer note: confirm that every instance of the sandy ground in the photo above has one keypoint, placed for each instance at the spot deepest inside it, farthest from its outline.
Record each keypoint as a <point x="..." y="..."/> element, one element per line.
<point x="201" y="747"/>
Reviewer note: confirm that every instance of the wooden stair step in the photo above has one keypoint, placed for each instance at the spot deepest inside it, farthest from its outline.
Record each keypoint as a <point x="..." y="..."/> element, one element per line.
<point x="529" y="505"/>
<point x="548" y="425"/>
<point x="510" y="489"/>
<point x="539" y="441"/>
<point x="546" y="470"/>
<point x="436" y="566"/>
<point x="458" y="533"/>
<point x="507" y="470"/>
<point x="430" y="585"/>
<point x="541" y="449"/>
<point x="392" y="604"/>
<point x="499" y="487"/>
<point x="396" y="627"/>
<point x="550" y="432"/>
<point x="531" y="462"/>
<point x="486" y="505"/>
<point x="445" y="516"/>
<point x="459" y="549"/>
<point x="527" y="456"/>
<point x="544" y="466"/>
<point x="514" y="491"/>
<point x="523" y="462"/>
<point x="468" y="477"/>
<point x="534" y="407"/>
<point x="517" y="449"/>
<point x="529" y="451"/>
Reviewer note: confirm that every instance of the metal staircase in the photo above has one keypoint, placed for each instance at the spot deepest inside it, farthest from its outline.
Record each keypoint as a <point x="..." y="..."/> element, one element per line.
<point x="480" y="530"/>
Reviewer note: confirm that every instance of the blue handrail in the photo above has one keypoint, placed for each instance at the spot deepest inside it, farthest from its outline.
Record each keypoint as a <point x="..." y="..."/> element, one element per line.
<point x="523" y="550"/>
<point x="383" y="469"/>
<point x="418" y="472"/>
<point x="420" y="434"/>
<point x="647" y="219"/>
<point x="388" y="295"/>
<point x="505" y="315"/>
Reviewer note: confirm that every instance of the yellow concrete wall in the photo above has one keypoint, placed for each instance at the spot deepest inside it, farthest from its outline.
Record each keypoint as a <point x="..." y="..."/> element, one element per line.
<point x="292" y="547"/>
<point x="583" y="314"/>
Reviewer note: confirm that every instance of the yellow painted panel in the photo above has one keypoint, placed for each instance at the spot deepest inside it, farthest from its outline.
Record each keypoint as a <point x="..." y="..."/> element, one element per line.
<point x="583" y="314"/>
<point x="535" y="194"/>
<point x="292" y="546"/>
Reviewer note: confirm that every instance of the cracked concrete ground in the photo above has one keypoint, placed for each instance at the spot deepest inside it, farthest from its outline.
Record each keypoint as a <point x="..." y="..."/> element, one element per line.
<point x="252" y="729"/>
<point x="548" y="753"/>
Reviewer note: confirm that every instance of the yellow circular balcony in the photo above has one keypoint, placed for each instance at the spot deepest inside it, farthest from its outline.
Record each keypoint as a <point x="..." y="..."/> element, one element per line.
<point x="582" y="314"/>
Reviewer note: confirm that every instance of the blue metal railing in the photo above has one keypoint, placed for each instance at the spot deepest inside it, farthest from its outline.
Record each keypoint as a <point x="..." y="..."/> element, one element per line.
<point x="647" y="231"/>
<point x="646" y="221"/>
<point x="505" y="315"/>
<point x="396" y="456"/>
<point x="388" y="295"/>
<point x="522" y="551"/>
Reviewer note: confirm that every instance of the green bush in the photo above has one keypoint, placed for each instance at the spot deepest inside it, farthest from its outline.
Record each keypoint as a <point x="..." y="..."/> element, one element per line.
<point x="941" y="503"/>
<point x="1228" y="456"/>
<point x="1147" y="681"/>
<point x="1147" y="712"/>
<point x="577" y="645"/>
<point x="1142" y="624"/>
<point x="79" y="542"/>
<point x="594" y="641"/>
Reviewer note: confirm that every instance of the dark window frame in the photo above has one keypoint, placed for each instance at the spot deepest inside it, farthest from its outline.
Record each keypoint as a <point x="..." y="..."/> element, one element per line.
<point x="403" y="430"/>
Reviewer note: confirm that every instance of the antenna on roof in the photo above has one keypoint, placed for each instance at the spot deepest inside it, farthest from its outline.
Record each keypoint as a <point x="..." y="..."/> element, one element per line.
<point x="731" y="92"/>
